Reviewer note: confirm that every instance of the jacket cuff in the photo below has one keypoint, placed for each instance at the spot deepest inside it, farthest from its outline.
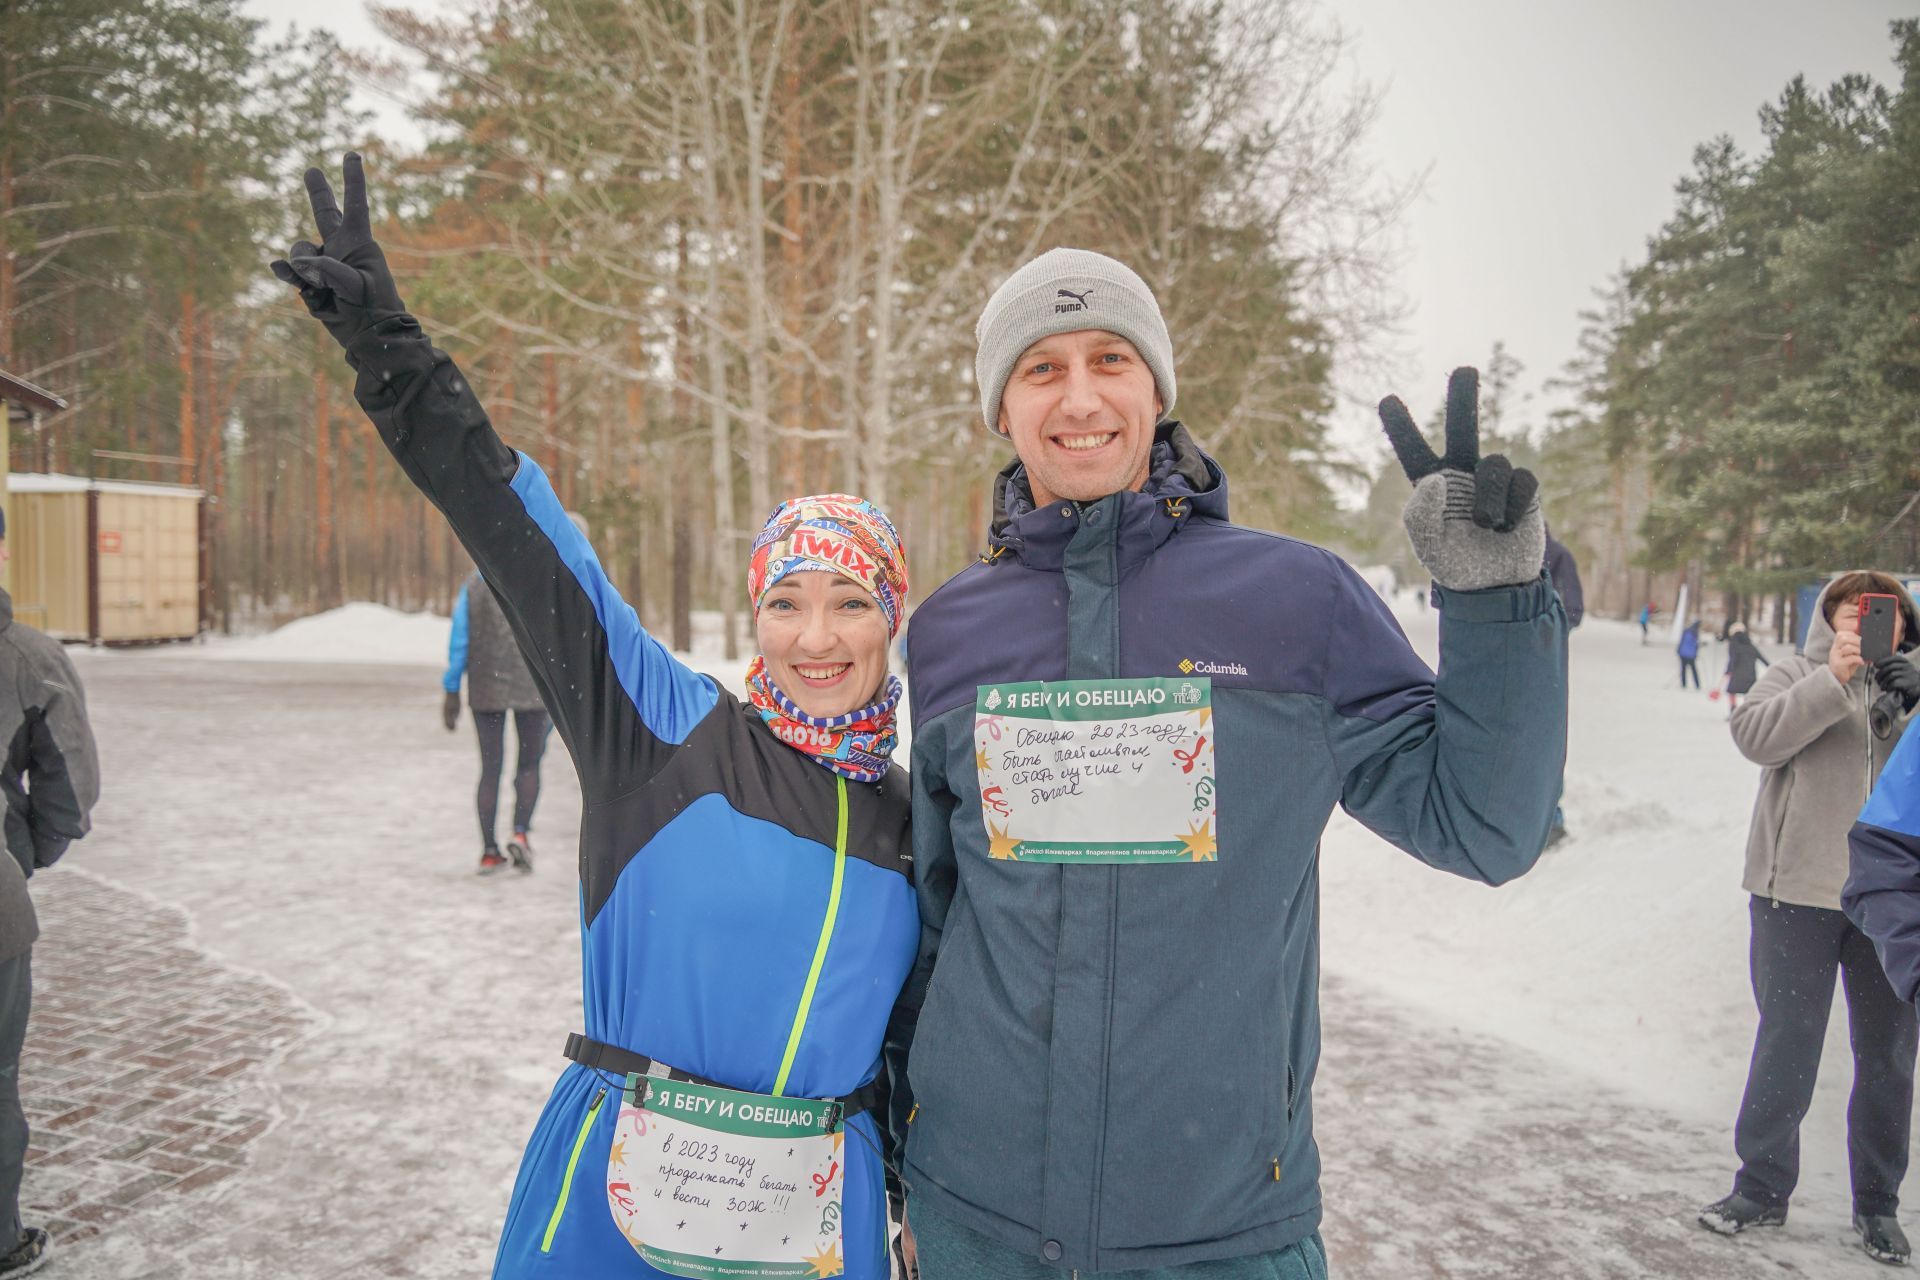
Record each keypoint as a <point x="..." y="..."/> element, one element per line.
<point x="395" y="344"/>
<point x="48" y="849"/>
<point x="1839" y="695"/>
<point x="1521" y="602"/>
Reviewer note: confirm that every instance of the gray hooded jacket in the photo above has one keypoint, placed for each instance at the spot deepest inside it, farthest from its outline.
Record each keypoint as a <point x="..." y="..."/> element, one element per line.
<point x="51" y="775"/>
<point x="1819" y="761"/>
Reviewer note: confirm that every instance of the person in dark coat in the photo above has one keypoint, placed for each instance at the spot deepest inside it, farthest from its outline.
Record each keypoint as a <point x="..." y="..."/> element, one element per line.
<point x="1744" y="661"/>
<point x="51" y="777"/>
<point x="1083" y="937"/>
<point x="481" y="647"/>
<point x="1689" y="651"/>
<point x="1565" y="572"/>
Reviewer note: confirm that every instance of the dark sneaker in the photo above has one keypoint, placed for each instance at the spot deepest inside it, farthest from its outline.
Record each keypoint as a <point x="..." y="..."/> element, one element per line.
<point x="1880" y="1236"/>
<point x="1554" y="837"/>
<point x="491" y="860"/>
<point x="1731" y="1216"/>
<point x="31" y="1253"/>
<point x="520" y="852"/>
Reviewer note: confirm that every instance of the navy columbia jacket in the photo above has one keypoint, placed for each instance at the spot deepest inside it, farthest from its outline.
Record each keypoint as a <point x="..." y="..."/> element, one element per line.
<point x="1113" y="1065"/>
<point x="1882" y="895"/>
<point x="707" y="847"/>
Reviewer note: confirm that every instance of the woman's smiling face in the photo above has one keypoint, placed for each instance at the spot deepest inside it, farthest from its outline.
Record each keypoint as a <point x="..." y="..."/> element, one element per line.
<point x="825" y="642"/>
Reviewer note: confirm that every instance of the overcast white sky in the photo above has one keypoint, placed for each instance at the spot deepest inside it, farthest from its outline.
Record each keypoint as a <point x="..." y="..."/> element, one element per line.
<point x="1551" y="133"/>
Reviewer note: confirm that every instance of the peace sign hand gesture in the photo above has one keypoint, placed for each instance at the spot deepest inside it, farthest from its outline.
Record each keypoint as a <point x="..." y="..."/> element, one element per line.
<point x="344" y="280"/>
<point x="1474" y="522"/>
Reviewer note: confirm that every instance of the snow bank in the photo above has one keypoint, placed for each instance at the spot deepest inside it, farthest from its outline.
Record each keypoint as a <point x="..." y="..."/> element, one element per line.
<point x="357" y="632"/>
<point x="362" y="632"/>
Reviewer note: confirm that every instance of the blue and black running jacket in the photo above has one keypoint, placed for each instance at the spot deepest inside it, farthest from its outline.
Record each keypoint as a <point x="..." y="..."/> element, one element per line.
<point x="1882" y="894"/>
<point x="707" y="847"/>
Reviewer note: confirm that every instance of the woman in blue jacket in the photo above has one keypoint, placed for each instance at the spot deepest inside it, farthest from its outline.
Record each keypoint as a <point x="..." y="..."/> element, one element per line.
<point x="746" y="914"/>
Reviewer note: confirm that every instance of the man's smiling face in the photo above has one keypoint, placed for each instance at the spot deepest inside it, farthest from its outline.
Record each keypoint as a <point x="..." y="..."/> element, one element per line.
<point x="1080" y="409"/>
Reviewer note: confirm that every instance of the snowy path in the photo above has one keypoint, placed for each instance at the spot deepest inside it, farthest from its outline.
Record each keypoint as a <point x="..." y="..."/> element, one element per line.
<point x="315" y="823"/>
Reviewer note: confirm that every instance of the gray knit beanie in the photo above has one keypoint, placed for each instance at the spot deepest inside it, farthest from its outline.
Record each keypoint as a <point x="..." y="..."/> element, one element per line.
<point x="1058" y="292"/>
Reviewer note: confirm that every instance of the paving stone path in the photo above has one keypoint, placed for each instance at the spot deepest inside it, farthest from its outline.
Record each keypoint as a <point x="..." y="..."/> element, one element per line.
<point x="147" y="1070"/>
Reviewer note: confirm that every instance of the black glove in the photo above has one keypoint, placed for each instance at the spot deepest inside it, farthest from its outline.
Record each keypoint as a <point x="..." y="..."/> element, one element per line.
<point x="450" y="710"/>
<point x="1896" y="675"/>
<point x="344" y="280"/>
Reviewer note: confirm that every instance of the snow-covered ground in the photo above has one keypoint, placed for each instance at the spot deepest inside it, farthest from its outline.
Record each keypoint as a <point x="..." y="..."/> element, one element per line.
<point x="1624" y="953"/>
<point x="1535" y="1081"/>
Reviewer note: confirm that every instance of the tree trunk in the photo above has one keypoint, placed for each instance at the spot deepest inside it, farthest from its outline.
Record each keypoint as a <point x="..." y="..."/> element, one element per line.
<point x="720" y="455"/>
<point x="795" y="472"/>
<point x="7" y="261"/>
<point x="753" y="100"/>
<point x="681" y="473"/>
<point x="324" y="558"/>
<point x="187" y="337"/>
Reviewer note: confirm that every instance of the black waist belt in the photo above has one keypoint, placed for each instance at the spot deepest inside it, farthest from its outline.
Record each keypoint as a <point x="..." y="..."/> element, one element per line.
<point x="596" y="1056"/>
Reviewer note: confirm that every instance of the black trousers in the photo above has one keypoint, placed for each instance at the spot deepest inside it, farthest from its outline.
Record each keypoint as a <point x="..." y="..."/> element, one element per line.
<point x="1686" y="665"/>
<point x="16" y="993"/>
<point x="531" y="728"/>
<point x="1794" y="954"/>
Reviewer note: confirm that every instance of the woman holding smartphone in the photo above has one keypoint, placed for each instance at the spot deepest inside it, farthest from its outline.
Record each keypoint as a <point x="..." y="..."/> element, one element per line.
<point x="1807" y="723"/>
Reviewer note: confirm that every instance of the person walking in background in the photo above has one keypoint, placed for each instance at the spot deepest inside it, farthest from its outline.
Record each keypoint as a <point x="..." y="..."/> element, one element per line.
<point x="1646" y="619"/>
<point x="52" y="778"/>
<point x="1807" y="723"/>
<point x="1744" y="660"/>
<point x="1689" y="650"/>
<point x="482" y="648"/>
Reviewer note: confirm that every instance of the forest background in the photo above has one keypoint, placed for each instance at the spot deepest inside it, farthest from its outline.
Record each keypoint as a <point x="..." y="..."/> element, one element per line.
<point x="700" y="254"/>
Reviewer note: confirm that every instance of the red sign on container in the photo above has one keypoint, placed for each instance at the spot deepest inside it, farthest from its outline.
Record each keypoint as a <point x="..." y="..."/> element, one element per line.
<point x="109" y="541"/>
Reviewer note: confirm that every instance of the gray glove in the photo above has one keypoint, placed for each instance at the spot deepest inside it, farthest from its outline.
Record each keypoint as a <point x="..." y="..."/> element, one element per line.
<point x="1474" y="522"/>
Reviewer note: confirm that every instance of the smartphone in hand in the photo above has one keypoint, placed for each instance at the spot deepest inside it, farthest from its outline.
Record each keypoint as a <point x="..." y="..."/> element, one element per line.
<point x="1876" y="626"/>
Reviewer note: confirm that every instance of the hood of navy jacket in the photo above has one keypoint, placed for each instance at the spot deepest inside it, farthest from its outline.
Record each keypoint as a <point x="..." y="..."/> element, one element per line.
<point x="1181" y="481"/>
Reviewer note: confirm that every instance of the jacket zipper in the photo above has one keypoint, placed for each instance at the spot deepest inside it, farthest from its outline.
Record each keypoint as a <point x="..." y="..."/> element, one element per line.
<point x="566" y="1182"/>
<point x="1866" y="697"/>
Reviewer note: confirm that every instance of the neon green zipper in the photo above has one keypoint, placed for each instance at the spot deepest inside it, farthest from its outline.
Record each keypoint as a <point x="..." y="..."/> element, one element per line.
<point x="566" y="1183"/>
<point x="820" y="947"/>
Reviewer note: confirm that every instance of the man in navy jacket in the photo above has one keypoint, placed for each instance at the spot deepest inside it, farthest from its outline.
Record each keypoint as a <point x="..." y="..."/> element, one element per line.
<point x="1119" y="1023"/>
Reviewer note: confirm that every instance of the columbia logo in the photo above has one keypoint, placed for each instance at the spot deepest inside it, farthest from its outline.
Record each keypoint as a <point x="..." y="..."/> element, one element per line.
<point x="1188" y="667"/>
<point x="1075" y="301"/>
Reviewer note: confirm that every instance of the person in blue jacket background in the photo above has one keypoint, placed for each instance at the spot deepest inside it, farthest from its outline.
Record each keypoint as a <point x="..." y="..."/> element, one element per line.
<point x="481" y="648"/>
<point x="747" y="920"/>
<point x="1882" y="893"/>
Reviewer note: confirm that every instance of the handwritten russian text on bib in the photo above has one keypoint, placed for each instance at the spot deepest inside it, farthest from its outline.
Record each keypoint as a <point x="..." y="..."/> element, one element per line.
<point x="1116" y="771"/>
<point x="712" y="1182"/>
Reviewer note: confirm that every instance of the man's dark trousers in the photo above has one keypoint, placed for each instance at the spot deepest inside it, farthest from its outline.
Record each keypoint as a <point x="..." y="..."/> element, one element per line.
<point x="1795" y="951"/>
<point x="16" y="993"/>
